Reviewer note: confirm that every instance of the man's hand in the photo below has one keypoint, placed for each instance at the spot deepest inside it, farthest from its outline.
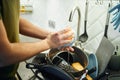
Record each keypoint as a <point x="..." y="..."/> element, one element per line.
<point x="61" y="38"/>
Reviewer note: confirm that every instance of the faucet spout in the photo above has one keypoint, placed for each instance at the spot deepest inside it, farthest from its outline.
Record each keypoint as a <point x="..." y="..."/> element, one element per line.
<point x="79" y="16"/>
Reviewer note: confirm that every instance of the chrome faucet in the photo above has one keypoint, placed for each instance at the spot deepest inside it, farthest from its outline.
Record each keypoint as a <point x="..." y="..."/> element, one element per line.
<point x="79" y="16"/>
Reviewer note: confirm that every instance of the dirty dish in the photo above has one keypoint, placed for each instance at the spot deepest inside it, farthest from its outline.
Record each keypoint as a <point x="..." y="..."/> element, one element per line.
<point x="93" y="63"/>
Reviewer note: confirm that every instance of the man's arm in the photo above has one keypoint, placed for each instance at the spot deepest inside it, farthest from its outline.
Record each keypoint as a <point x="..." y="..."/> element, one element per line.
<point x="15" y="52"/>
<point x="11" y="53"/>
<point x="28" y="29"/>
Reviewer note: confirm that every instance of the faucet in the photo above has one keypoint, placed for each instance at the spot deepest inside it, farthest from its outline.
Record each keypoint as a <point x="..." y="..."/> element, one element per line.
<point x="78" y="25"/>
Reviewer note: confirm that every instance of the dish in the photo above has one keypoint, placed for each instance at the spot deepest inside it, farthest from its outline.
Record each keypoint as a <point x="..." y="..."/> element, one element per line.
<point x="93" y="63"/>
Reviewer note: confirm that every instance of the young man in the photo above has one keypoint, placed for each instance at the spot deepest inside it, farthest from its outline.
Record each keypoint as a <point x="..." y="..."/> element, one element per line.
<point x="11" y="50"/>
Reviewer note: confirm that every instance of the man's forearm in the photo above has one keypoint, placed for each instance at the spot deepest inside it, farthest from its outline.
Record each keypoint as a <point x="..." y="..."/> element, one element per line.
<point x="28" y="29"/>
<point x="17" y="52"/>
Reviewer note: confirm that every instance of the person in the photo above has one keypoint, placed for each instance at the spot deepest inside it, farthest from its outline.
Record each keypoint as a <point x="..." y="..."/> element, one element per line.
<point x="12" y="51"/>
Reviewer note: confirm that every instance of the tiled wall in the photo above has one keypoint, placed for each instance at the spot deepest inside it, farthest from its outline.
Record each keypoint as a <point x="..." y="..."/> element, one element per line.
<point x="59" y="10"/>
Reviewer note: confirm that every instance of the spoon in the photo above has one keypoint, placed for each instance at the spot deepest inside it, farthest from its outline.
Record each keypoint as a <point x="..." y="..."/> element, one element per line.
<point x="83" y="38"/>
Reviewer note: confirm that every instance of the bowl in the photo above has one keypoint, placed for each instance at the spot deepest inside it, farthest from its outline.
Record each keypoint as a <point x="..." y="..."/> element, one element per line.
<point x="93" y="63"/>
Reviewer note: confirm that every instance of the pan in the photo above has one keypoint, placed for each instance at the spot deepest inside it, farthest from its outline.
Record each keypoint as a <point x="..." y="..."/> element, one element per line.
<point x="66" y="63"/>
<point x="105" y="49"/>
<point x="67" y="58"/>
<point x="76" y="60"/>
<point x="61" y="62"/>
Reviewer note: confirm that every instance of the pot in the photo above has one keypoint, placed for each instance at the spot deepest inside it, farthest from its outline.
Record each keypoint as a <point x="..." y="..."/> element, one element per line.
<point x="65" y="59"/>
